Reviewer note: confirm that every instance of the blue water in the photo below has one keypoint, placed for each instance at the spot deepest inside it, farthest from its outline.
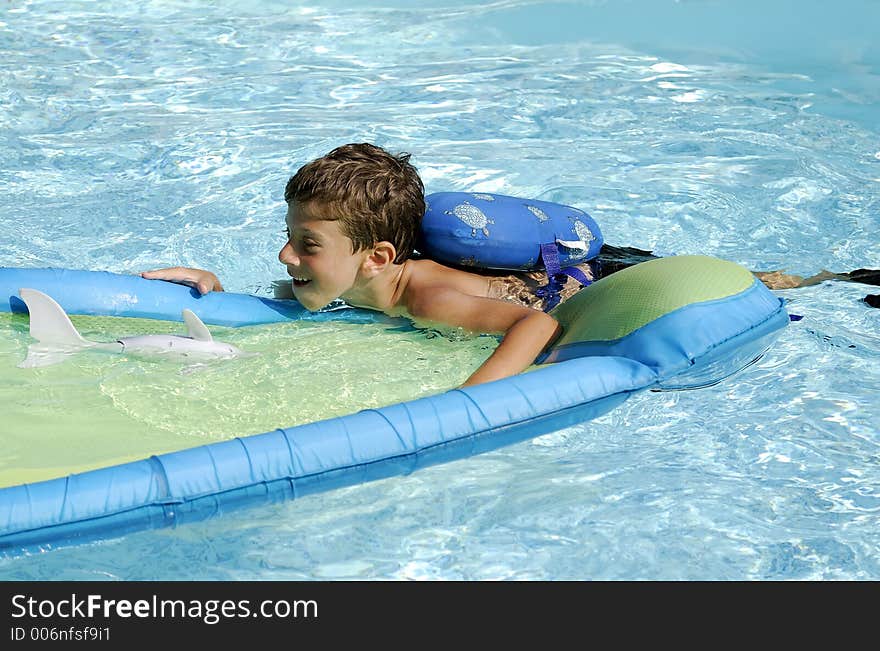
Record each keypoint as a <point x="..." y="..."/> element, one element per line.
<point x="135" y="135"/>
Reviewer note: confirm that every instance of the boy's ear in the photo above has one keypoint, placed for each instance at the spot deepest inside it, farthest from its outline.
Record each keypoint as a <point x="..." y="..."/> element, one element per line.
<point x="380" y="256"/>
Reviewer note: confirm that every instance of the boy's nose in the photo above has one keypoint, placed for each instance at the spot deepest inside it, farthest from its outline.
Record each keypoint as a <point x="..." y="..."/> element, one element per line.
<point x="287" y="256"/>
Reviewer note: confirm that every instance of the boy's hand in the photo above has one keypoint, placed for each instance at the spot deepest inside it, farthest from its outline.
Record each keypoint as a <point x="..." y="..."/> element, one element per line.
<point x="202" y="280"/>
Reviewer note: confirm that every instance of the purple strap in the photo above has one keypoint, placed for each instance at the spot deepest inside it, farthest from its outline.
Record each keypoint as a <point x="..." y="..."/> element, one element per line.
<point x="550" y="291"/>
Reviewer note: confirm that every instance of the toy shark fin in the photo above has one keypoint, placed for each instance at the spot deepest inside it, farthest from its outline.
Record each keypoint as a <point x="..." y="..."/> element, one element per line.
<point x="49" y="323"/>
<point x="51" y="327"/>
<point x="195" y="328"/>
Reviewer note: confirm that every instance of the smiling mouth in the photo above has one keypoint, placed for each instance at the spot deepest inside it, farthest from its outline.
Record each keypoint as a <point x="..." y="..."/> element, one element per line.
<point x="300" y="282"/>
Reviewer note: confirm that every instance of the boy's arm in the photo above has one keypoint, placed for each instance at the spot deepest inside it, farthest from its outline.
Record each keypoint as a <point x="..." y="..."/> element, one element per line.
<point x="527" y="332"/>
<point x="204" y="281"/>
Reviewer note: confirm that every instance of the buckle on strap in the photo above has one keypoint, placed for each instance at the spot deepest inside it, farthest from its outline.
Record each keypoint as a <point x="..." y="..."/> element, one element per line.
<point x="555" y="276"/>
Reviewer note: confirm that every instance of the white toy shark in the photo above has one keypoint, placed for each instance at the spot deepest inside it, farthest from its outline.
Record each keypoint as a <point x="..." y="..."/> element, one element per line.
<point x="57" y="338"/>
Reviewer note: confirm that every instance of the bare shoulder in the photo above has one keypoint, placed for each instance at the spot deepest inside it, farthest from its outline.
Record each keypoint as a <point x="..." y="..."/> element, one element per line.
<point x="425" y="274"/>
<point x="441" y="295"/>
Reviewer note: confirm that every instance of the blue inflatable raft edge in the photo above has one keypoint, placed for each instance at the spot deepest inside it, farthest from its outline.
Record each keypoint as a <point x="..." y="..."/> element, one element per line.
<point x="196" y="483"/>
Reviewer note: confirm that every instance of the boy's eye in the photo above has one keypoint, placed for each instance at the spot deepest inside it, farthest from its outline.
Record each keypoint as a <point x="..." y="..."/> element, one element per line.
<point x="306" y="244"/>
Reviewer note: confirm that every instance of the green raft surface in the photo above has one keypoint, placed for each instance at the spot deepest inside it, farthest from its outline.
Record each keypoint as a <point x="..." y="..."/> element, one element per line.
<point x="98" y="409"/>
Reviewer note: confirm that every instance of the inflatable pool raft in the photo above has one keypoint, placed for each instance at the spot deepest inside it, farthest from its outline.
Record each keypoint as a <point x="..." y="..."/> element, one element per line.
<point x="671" y="323"/>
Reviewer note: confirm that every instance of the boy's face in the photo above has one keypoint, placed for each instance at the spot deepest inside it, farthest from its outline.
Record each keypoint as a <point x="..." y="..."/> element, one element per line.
<point x="318" y="256"/>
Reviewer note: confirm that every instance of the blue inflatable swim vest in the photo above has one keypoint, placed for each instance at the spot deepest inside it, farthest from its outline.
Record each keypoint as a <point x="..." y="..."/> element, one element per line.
<point x="494" y="231"/>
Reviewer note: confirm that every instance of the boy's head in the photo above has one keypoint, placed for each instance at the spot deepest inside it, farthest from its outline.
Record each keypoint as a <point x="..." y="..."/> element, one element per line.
<point x="350" y="215"/>
<point x="374" y="195"/>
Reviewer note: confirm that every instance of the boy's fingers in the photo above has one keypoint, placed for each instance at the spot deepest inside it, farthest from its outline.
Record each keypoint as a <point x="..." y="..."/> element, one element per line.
<point x="183" y="276"/>
<point x="204" y="287"/>
<point x="171" y="273"/>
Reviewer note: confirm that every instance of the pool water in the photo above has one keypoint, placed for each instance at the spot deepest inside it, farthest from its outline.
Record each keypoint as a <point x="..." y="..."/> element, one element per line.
<point x="139" y="135"/>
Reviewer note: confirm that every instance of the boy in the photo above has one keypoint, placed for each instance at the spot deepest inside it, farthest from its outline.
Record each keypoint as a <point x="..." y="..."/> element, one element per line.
<point x="353" y="217"/>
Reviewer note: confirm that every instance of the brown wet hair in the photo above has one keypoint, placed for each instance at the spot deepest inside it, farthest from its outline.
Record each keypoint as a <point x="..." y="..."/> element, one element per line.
<point x="374" y="194"/>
